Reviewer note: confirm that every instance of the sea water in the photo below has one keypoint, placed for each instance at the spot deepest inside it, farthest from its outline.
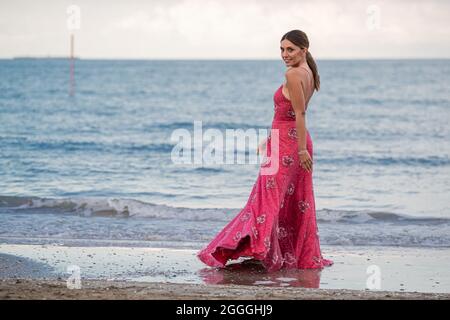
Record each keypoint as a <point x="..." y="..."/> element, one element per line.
<point x="95" y="167"/>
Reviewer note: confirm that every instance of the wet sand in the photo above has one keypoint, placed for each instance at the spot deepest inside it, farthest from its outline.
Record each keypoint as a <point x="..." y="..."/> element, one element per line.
<point x="123" y="290"/>
<point x="43" y="272"/>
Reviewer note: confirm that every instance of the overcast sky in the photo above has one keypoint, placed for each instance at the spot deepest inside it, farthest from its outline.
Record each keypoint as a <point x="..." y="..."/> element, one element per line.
<point x="225" y="29"/>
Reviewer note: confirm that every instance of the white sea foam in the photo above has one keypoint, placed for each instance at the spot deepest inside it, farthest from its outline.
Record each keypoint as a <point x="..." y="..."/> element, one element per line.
<point x="134" y="222"/>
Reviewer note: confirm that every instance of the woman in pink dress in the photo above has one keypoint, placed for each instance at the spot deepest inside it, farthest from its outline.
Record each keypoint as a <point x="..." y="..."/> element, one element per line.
<point x="277" y="227"/>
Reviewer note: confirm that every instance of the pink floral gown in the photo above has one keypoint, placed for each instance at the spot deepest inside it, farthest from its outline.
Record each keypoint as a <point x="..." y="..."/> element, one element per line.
<point x="278" y="223"/>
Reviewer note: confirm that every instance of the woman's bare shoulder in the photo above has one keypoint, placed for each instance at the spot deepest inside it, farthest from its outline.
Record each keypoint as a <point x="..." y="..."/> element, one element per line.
<point x="297" y="74"/>
<point x="298" y="71"/>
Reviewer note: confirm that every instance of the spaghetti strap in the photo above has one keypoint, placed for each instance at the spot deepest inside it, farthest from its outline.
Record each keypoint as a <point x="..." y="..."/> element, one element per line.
<point x="312" y="84"/>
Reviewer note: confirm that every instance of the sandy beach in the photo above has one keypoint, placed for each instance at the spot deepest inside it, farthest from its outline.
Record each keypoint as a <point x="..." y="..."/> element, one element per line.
<point x="108" y="290"/>
<point x="47" y="272"/>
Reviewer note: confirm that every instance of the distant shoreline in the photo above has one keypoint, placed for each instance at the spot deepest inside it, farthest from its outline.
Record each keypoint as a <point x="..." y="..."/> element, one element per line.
<point x="44" y="58"/>
<point x="216" y="59"/>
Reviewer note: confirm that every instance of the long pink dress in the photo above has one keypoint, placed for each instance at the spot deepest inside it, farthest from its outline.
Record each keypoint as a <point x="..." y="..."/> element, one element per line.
<point x="278" y="223"/>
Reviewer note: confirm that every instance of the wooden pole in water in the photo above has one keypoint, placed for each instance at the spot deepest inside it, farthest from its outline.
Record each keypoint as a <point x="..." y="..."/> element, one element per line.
<point x="72" y="65"/>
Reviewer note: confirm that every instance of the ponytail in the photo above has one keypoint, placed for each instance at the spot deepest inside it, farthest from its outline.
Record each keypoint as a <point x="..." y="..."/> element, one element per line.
<point x="312" y="65"/>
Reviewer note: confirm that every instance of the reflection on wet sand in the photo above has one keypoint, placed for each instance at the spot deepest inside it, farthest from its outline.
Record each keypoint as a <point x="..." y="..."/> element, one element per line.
<point x="249" y="273"/>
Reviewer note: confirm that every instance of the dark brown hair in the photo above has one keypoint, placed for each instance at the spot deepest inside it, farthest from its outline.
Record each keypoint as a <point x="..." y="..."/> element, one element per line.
<point x="300" y="39"/>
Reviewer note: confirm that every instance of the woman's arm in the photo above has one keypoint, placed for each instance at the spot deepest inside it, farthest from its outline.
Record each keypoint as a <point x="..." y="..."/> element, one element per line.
<point x="295" y="84"/>
<point x="261" y="147"/>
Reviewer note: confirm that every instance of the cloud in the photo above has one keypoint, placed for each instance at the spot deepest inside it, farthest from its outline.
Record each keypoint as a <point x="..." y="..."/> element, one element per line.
<point x="228" y="29"/>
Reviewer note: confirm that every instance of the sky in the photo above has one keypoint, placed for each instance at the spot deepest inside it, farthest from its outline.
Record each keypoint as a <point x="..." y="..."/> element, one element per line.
<point x="225" y="29"/>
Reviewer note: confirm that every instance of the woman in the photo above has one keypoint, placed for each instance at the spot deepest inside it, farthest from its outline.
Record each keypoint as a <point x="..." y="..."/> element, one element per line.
<point x="277" y="227"/>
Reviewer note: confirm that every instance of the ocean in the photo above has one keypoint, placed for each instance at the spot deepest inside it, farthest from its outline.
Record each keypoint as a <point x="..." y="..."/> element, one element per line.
<point x="95" y="167"/>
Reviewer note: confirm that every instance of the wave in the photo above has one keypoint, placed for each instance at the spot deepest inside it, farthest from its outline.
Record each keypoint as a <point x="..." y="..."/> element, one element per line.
<point x="206" y="125"/>
<point x="123" y="207"/>
<point x="120" y="221"/>
<point x="71" y="145"/>
<point x="89" y="145"/>
<point x="431" y="160"/>
<point x="106" y="207"/>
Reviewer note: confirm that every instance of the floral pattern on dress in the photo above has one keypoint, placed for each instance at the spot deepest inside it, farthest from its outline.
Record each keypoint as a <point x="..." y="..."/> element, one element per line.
<point x="270" y="183"/>
<point x="255" y="231"/>
<point x="291" y="189"/>
<point x="267" y="242"/>
<point x="274" y="258"/>
<point x="261" y="219"/>
<point x="282" y="233"/>
<point x="287" y="161"/>
<point x="237" y="236"/>
<point x="292" y="133"/>
<point x="245" y="216"/>
<point x="289" y="258"/>
<point x="291" y="114"/>
<point x="253" y="198"/>
<point x="303" y="206"/>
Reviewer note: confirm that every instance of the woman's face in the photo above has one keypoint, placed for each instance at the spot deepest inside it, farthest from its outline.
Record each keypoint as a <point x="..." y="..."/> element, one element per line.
<point x="291" y="54"/>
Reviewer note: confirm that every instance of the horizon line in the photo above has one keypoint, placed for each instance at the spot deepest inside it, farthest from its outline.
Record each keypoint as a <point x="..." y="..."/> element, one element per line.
<point x="210" y="59"/>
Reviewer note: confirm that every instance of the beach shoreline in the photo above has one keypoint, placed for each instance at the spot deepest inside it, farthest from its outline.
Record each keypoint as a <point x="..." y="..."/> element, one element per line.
<point x="45" y="272"/>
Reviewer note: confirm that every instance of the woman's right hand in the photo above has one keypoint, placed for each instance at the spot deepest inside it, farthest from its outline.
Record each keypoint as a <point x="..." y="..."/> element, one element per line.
<point x="261" y="147"/>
